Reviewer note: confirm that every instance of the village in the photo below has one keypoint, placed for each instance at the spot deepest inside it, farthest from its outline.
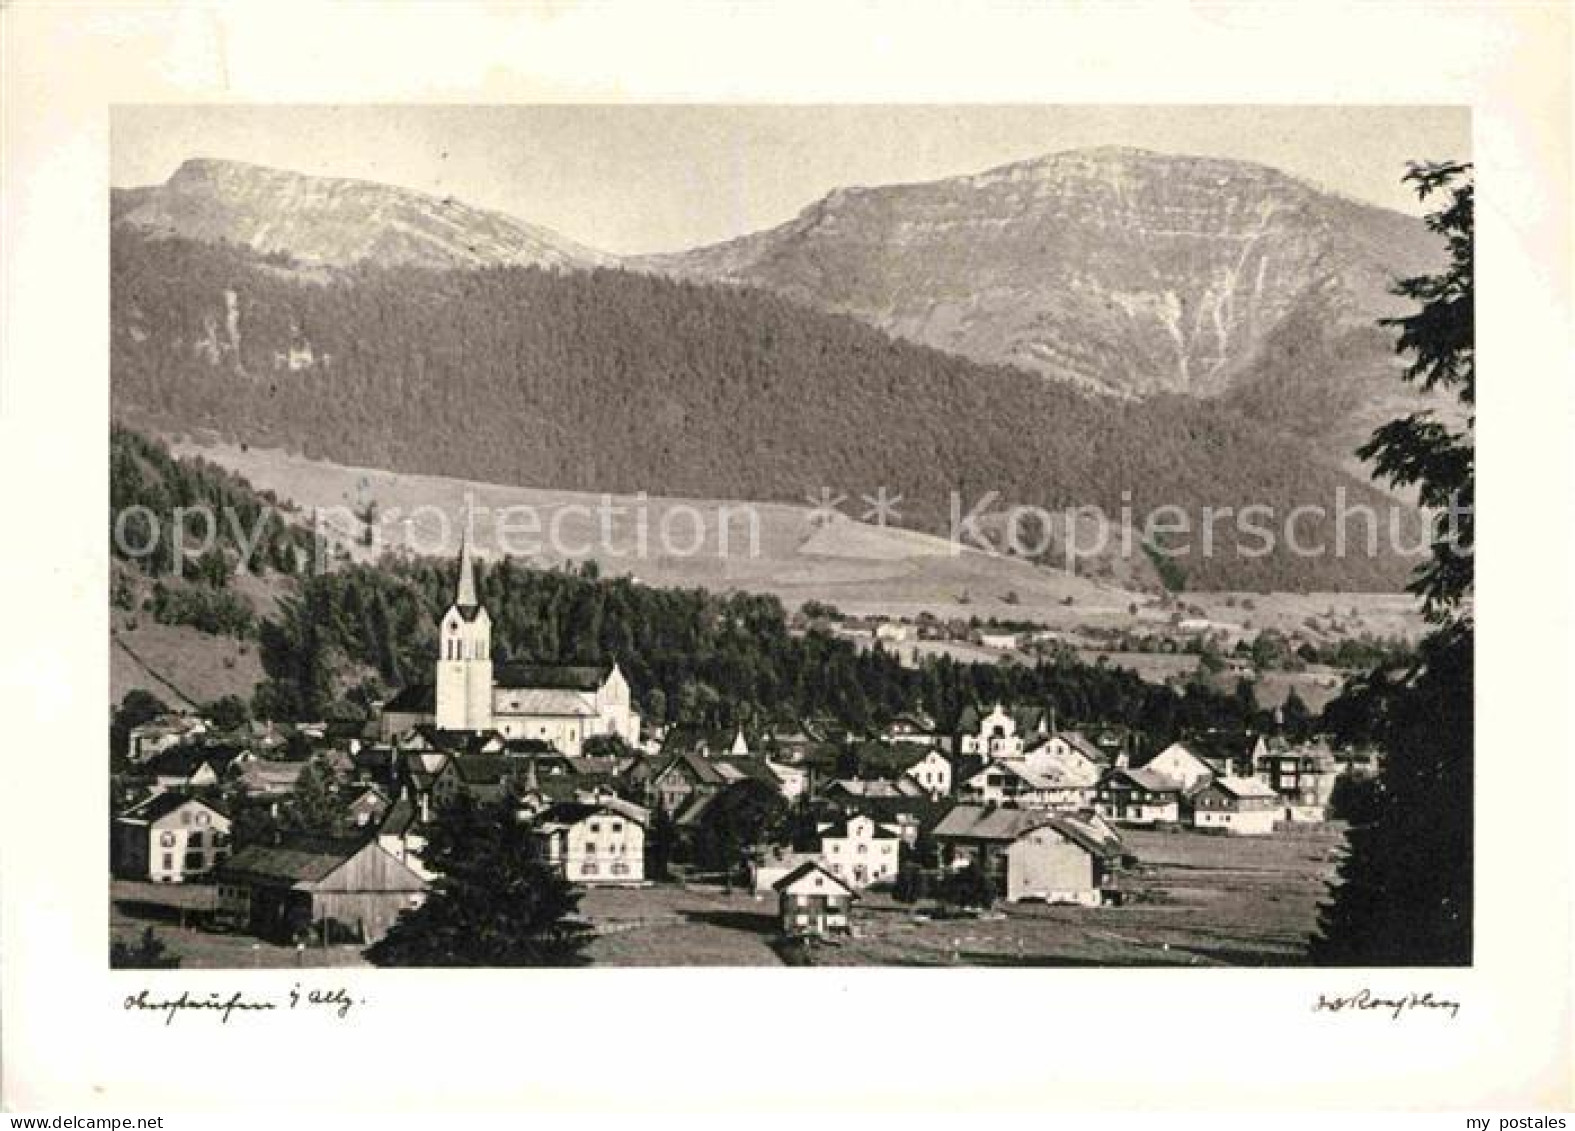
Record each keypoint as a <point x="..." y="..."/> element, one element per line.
<point x="826" y="837"/>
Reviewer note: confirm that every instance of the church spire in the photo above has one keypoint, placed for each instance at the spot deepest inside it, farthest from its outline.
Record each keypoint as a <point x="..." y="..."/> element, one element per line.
<point x="465" y="598"/>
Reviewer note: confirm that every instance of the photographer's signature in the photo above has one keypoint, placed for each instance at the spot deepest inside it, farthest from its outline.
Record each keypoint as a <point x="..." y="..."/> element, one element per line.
<point x="1366" y="1001"/>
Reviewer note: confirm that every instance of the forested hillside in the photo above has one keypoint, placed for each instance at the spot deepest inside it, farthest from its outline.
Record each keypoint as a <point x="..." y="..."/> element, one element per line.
<point x="331" y="643"/>
<point x="694" y="657"/>
<point x="148" y="487"/>
<point x="618" y="382"/>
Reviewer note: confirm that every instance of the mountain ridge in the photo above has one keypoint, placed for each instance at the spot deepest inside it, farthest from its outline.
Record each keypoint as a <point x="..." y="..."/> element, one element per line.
<point x="1117" y="269"/>
<point x="338" y="221"/>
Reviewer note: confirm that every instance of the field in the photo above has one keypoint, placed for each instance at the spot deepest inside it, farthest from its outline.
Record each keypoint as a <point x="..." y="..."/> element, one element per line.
<point x="177" y="663"/>
<point x="862" y="569"/>
<point x="174" y="912"/>
<point x="1194" y="900"/>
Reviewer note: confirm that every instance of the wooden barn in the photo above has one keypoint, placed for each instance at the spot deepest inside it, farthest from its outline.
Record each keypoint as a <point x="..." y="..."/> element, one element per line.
<point x="346" y="890"/>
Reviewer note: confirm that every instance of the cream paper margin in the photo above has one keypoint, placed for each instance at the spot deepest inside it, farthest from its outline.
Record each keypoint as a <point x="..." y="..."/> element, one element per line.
<point x="789" y="1040"/>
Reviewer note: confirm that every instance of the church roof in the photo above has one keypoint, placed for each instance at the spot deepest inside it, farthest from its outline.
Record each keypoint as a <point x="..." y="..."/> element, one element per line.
<point x="465" y="594"/>
<point x="539" y="701"/>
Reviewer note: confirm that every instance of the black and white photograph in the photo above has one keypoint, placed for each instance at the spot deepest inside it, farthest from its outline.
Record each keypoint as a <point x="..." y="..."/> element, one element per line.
<point x="1040" y="549"/>
<point x="619" y="553"/>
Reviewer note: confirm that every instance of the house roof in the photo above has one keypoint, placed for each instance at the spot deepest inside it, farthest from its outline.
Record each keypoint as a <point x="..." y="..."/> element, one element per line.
<point x="573" y="812"/>
<point x="697" y="767"/>
<point x="977" y="822"/>
<point x="400" y="819"/>
<point x="890" y="810"/>
<point x="712" y="741"/>
<point x="1245" y="787"/>
<point x="694" y="810"/>
<point x="907" y="759"/>
<point x="1027" y="718"/>
<point x="182" y="761"/>
<point x="265" y="770"/>
<point x="161" y="805"/>
<point x="1085" y="746"/>
<point x="747" y="766"/>
<point x="302" y="860"/>
<point x="982" y="822"/>
<point x="461" y="741"/>
<point x="1151" y="780"/>
<point x="838" y="830"/>
<point x="550" y="677"/>
<point x="805" y="869"/>
<point x="876" y="787"/>
<point x="482" y="769"/>
<point x="1033" y="778"/>
<point x="911" y="721"/>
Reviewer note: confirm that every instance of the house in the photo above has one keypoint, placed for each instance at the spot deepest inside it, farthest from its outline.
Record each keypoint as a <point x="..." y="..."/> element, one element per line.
<point x="379" y="766"/>
<point x="158" y="735"/>
<point x="1181" y="766"/>
<point x="1359" y="763"/>
<point x="1241" y="806"/>
<point x="1033" y="854"/>
<point x="681" y="777"/>
<point x="485" y="778"/>
<point x="169" y="838"/>
<point x="266" y="778"/>
<point x="814" y="901"/>
<point x="933" y="772"/>
<point x="185" y="768"/>
<point x="770" y="863"/>
<point x="843" y="790"/>
<point x="1138" y="797"/>
<point x="1006" y="782"/>
<point x="596" y="843"/>
<point x="367" y="806"/>
<point x="893" y="632"/>
<point x="1071" y="754"/>
<point x="991" y="736"/>
<point x="418" y="770"/>
<point x="860" y="851"/>
<point x="400" y="836"/>
<point x="721" y="743"/>
<point x="1302" y="776"/>
<point x="913" y="727"/>
<point x="354" y="889"/>
<point x="792" y="781"/>
<point x="999" y="641"/>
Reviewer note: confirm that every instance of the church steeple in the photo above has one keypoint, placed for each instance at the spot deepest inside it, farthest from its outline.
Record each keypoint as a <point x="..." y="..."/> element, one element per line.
<point x="464" y="666"/>
<point x="465" y="596"/>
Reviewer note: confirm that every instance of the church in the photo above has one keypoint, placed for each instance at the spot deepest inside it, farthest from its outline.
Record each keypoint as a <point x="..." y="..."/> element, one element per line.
<point x="561" y="705"/>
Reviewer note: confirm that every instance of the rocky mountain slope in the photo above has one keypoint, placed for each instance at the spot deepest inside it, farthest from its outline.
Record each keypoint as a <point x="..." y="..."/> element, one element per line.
<point x="319" y="220"/>
<point x="1123" y="271"/>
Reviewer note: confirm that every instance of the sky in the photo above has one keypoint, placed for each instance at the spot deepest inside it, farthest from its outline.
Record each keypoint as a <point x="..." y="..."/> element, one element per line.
<point x="643" y="178"/>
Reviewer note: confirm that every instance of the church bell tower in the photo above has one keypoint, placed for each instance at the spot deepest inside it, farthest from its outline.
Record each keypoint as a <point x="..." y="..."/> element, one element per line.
<point x="464" y="664"/>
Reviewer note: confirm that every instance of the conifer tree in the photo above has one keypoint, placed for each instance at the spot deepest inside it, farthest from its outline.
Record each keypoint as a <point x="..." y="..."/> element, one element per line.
<point x="1404" y="893"/>
<point x="492" y="905"/>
